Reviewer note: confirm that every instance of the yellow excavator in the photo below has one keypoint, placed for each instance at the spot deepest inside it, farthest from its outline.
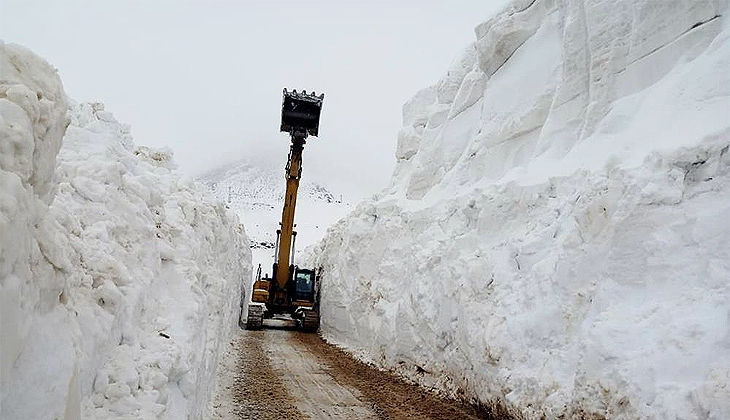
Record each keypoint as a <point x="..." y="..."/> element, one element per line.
<point x="292" y="290"/>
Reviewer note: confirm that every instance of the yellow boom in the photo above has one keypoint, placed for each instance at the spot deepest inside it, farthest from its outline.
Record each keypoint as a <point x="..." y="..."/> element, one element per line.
<point x="293" y="174"/>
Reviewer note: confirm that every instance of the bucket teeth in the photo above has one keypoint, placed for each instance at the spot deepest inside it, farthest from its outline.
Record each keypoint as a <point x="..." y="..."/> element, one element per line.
<point x="303" y="94"/>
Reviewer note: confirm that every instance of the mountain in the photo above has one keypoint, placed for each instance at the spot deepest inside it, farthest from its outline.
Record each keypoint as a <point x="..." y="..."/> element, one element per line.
<point x="255" y="191"/>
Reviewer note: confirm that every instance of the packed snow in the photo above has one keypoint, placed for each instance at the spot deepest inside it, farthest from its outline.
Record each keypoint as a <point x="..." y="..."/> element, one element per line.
<point x="119" y="282"/>
<point x="556" y="234"/>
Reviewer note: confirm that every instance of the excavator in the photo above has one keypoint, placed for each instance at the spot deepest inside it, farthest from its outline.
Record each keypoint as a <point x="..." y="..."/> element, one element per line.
<point x="291" y="290"/>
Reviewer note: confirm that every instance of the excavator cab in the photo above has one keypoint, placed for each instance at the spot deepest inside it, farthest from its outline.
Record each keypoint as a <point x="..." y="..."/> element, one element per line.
<point x="303" y="285"/>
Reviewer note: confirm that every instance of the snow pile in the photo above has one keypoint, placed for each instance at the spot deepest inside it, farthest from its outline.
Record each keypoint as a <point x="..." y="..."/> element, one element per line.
<point x="556" y="234"/>
<point x="119" y="284"/>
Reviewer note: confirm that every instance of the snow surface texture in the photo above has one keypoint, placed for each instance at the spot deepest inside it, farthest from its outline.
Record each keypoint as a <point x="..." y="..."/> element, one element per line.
<point x="556" y="234"/>
<point x="118" y="284"/>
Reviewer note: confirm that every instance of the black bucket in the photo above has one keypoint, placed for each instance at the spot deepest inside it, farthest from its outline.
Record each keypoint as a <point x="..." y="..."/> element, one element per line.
<point x="300" y="112"/>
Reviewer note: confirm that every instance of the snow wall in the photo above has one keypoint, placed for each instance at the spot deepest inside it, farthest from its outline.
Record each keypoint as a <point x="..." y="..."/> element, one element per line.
<point x="119" y="284"/>
<point x="556" y="234"/>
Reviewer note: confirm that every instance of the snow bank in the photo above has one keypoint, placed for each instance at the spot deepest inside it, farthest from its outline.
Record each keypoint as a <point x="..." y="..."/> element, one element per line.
<point x="119" y="282"/>
<point x="556" y="234"/>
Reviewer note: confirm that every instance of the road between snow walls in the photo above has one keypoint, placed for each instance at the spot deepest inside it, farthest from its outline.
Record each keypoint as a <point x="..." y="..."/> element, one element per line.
<point x="556" y="233"/>
<point x="119" y="283"/>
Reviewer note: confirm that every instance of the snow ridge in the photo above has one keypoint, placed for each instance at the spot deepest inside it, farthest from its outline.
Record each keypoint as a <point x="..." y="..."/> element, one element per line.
<point x="555" y="233"/>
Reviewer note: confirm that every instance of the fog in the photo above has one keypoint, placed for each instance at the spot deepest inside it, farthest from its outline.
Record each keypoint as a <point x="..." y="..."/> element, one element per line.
<point x="205" y="78"/>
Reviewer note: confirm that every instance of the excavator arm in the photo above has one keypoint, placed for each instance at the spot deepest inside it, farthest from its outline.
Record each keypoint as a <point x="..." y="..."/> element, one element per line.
<point x="300" y="118"/>
<point x="293" y="174"/>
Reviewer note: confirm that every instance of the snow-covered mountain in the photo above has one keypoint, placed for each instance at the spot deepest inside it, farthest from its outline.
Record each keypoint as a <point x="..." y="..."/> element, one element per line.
<point x="254" y="189"/>
<point x="556" y="235"/>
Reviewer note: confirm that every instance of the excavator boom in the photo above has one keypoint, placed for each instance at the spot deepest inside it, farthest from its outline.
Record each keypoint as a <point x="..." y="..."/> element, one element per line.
<point x="293" y="174"/>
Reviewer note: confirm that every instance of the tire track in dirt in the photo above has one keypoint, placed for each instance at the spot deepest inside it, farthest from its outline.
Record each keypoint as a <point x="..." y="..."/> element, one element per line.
<point x="319" y="394"/>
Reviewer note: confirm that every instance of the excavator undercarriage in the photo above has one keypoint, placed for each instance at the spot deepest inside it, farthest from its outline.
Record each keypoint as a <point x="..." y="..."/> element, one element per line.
<point x="291" y="290"/>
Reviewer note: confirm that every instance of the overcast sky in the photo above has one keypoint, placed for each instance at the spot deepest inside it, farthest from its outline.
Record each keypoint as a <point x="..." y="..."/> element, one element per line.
<point x="205" y="78"/>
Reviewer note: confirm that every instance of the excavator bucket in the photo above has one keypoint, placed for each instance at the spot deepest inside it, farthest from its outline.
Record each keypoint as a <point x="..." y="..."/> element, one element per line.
<point x="300" y="112"/>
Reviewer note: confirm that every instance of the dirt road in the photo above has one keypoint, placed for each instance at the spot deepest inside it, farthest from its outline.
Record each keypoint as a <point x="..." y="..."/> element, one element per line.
<point x="286" y="374"/>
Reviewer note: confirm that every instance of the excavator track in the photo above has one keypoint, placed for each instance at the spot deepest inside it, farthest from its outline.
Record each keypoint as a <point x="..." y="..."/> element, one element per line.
<point x="255" y="318"/>
<point x="310" y="320"/>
